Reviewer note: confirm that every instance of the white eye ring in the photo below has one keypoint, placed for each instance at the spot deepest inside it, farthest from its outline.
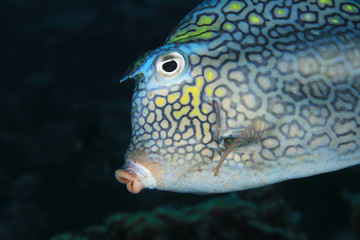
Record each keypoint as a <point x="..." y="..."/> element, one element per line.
<point x="170" y="65"/>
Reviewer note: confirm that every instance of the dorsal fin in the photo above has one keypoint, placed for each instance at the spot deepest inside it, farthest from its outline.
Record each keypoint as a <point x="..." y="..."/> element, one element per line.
<point x="203" y="23"/>
<point x="134" y="69"/>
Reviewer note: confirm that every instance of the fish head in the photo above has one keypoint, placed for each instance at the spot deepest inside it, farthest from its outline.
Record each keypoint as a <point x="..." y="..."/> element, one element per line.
<point x="170" y="121"/>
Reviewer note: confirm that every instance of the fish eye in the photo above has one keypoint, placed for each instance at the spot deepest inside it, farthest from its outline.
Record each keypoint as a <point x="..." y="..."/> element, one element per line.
<point x="170" y="65"/>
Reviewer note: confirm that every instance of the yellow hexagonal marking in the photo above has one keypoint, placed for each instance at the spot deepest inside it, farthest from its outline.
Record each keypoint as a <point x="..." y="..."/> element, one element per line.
<point x="183" y="111"/>
<point x="280" y="11"/>
<point x="229" y="26"/>
<point x="326" y="2"/>
<point x="210" y="74"/>
<point x="350" y="8"/>
<point x="206" y="20"/>
<point x="173" y="97"/>
<point x="150" y="118"/>
<point x="209" y="91"/>
<point x="220" y="92"/>
<point x="189" y="133"/>
<point x="234" y="6"/>
<point x="160" y="101"/>
<point x="255" y="19"/>
<point x="334" y="21"/>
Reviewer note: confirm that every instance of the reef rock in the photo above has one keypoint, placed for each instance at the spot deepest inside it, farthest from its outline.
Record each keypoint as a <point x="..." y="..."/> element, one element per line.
<point x="219" y="218"/>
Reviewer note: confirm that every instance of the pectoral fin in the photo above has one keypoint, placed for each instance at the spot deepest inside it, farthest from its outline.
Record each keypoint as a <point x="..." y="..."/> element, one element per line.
<point x="247" y="138"/>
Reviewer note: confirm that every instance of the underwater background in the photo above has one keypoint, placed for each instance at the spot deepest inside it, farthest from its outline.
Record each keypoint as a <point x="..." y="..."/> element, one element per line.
<point x="65" y="126"/>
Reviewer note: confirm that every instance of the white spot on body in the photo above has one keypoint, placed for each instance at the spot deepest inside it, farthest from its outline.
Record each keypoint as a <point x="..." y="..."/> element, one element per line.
<point x="163" y="134"/>
<point x="158" y="115"/>
<point x="145" y="112"/>
<point x="198" y="147"/>
<point x="150" y="119"/>
<point x="141" y="121"/>
<point x="271" y="143"/>
<point x="194" y="59"/>
<point x="206" y="152"/>
<point x="249" y="100"/>
<point x="168" y="142"/>
<point x="155" y="135"/>
<point x="154" y="148"/>
<point x="159" y="143"/>
<point x="189" y="133"/>
<point x="151" y="106"/>
<point x="164" y="124"/>
<point x="148" y="128"/>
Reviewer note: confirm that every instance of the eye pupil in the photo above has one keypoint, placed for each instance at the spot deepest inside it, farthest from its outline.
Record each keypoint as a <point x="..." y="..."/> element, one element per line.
<point x="170" y="66"/>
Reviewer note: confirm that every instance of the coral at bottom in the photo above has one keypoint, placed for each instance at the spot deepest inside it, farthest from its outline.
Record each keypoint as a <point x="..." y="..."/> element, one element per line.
<point x="219" y="218"/>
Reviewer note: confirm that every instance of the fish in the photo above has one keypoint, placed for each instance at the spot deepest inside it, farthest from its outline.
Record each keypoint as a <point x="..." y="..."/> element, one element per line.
<point x="244" y="94"/>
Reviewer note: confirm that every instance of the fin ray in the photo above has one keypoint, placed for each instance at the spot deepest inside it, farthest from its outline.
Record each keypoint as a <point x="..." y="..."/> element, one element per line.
<point x="251" y="134"/>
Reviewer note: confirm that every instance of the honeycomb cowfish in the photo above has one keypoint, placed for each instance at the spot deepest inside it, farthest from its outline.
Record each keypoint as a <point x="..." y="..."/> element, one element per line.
<point x="247" y="93"/>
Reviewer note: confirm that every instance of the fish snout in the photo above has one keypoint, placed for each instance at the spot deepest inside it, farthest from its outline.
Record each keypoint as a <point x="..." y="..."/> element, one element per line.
<point x="131" y="179"/>
<point x="136" y="177"/>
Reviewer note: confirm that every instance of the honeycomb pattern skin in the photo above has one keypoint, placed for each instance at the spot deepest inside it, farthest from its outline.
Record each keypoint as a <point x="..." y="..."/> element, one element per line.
<point x="293" y="64"/>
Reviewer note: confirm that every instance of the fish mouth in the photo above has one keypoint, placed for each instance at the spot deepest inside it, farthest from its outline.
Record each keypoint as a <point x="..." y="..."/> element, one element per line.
<point x="136" y="177"/>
